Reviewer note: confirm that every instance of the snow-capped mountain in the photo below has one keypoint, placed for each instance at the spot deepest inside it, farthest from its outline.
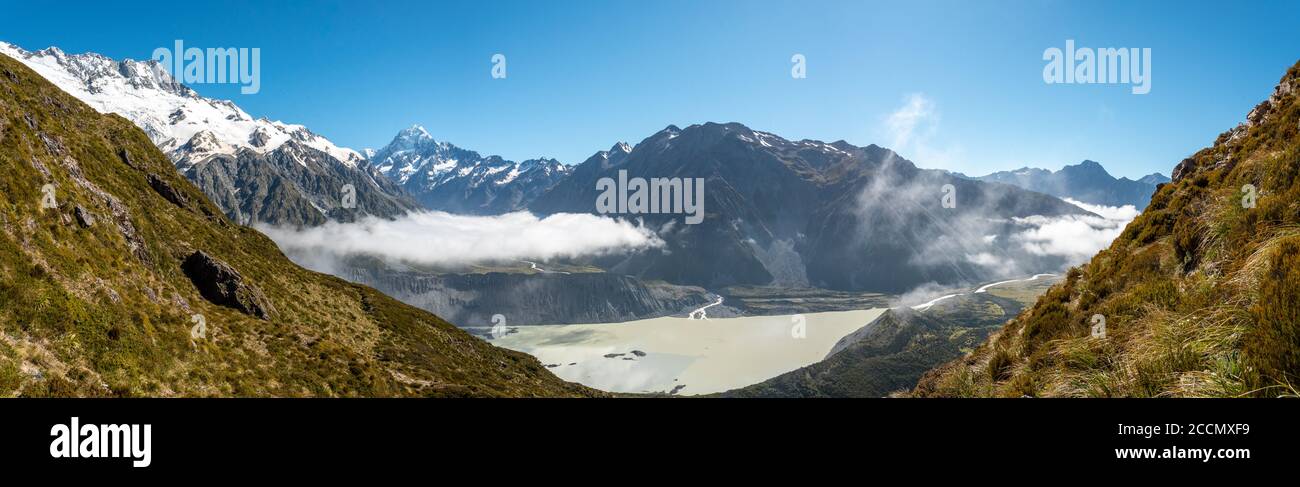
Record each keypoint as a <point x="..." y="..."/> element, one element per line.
<point x="196" y="131"/>
<point x="444" y="177"/>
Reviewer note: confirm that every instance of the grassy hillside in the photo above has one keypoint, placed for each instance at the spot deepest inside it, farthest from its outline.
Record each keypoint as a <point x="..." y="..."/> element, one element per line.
<point x="1200" y="294"/>
<point x="94" y="302"/>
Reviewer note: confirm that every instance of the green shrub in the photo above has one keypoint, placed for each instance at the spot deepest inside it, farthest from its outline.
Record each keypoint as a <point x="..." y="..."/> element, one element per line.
<point x="1272" y="346"/>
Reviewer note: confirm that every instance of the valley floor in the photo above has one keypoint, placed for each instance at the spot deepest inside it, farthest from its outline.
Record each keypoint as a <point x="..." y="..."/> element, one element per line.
<point x="685" y="356"/>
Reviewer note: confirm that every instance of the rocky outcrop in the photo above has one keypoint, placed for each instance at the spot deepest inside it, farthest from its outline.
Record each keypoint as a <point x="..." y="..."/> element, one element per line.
<point x="165" y="189"/>
<point x="222" y="285"/>
<point x="84" y="218"/>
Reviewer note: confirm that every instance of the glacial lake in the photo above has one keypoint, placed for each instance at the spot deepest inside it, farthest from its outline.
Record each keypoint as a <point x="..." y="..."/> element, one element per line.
<point x="698" y="356"/>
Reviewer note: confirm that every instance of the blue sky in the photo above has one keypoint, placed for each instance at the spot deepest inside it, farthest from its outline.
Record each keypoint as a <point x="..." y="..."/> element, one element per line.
<point x="585" y="74"/>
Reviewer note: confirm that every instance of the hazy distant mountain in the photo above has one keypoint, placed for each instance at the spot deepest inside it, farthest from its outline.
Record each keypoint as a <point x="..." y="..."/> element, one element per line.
<point x="253" y="169"/>
<point x="807" y="213"/>
<point x="1086" y="181"/>
<point x="444" y="177"/>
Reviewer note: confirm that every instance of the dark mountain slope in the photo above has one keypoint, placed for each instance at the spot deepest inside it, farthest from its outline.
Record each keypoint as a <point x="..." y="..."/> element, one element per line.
<point x="806" y="213"/>
<point x="1200" y="294"/>
<point x="293" y="185"/>
<point x="94" y="300"/>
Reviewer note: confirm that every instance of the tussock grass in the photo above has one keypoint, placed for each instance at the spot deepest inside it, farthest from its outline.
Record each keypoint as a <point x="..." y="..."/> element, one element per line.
<point x="1201" y="295"/>
<point x="105" y="310"/>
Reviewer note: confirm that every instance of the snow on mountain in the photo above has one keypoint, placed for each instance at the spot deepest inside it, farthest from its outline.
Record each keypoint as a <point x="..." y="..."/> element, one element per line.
<point x="169" y="112"/>
<point x="449" y="178"/>
<point x="255" y="170"/>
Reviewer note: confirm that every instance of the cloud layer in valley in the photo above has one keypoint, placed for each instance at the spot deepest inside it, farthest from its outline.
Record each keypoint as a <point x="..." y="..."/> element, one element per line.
<point x="1075" y="237"/>
<point x="443" y="239"/>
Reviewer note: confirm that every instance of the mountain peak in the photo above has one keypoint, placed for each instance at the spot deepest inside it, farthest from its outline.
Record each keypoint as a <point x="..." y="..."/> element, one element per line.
<point x="1088" y="166"/>
<point x="415" y="130"/>
<point x="1154" y="178"/>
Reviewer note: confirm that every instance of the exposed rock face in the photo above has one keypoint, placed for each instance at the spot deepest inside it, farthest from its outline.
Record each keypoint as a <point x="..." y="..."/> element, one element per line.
<point x="222" y="285"/>
<point x="828" y="215"/>
<point x="1257" y="116"/>
<point x="84" y="218"/>
<point x="447" y="178"/>
<point x="292" y="185"/>
<point x="470" y="300"/>
<point x="166" y="190"/>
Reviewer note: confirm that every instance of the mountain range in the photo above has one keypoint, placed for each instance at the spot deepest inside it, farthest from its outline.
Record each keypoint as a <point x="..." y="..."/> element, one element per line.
<point x="255" y="170"/>
<point x="120" y="278"/>
<point x="777" y="212"/>
<point x="1086" y="181"/>
<point x="808" y="213"/>
<point x="447" y="178"/>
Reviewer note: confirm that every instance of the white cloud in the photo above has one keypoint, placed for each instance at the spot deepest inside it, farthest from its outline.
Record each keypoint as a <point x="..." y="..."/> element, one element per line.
<point x="437" y="238"/>
<point x="911" y="129"/>
<point x="1075" y="237"/>
<point x="917" y="112"/>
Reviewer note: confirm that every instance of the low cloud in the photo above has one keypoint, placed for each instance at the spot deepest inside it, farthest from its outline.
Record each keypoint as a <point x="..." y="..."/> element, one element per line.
<point x="444" y="239"/>
<point x="1075" y="237"/>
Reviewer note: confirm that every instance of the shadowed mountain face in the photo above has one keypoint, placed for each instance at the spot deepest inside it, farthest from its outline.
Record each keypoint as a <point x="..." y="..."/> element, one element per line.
<point x="293" y="185"/>
<point x="447" y="178"/>
<point x="119" y="278"/>
<point x="1086" y="181"/>
<point x="805" y="213"/>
